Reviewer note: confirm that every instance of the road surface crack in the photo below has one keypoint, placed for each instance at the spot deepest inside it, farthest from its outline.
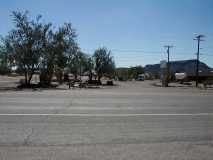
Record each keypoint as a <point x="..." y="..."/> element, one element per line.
<point x="27" y="139"/>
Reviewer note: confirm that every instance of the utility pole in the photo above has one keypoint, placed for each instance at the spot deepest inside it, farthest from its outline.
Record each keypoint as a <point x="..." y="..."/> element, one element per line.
<point x="198" y="39"/>
<point x="168" y="64"/>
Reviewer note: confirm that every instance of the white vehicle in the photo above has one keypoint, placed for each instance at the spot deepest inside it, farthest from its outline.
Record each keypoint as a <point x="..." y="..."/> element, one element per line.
<point x="141" y="77"/>
<point x="180" y="76"/>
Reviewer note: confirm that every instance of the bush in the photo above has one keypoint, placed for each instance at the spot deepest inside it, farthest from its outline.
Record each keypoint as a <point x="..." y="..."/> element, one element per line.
<point x="4" y="70"/>
<point x="94" y="82"/>
<point x="109" y="83"/>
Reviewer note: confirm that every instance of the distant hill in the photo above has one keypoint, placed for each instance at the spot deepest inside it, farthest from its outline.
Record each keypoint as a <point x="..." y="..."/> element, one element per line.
<point x="188" y="66"/>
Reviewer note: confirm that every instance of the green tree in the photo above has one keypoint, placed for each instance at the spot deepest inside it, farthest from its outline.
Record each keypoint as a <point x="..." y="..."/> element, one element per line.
<point x="73" y="60"/>
<point x="104" y="63"/>
<point x="135" y="71"/>
<point x="6" y="60"/>
<point x="89" y="67"/>
<point x="122" y="74"/>
<point x="56" y="45"/>
<point x="27" y="43"/>
<point x="77" y="61"/>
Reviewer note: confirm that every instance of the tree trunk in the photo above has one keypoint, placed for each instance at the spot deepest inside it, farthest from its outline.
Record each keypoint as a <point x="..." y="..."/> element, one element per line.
<point x="99" y="77"/>
<point x="90" y="76"/>
<point x="50" y="71"/>
<point x="76" y="76"/>
<point x="50" y="75"/>
<point x="60" y="77"/>
<point x="25" y="75"/>
<point x="30" y="78"/>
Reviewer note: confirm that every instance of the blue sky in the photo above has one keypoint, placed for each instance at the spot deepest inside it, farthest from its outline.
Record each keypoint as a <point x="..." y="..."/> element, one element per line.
<point x="135" y="30"/>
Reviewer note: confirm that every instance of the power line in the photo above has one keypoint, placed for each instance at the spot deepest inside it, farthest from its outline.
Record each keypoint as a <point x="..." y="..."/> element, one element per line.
<point x="136" y="51"/>
<point x="128" y="51"/>
<point x="142" y="52"/>
<point x="207" y="54"/>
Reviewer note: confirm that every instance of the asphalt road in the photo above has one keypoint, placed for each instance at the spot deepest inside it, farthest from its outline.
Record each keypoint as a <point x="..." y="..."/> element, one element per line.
<point x="132" y="121"/>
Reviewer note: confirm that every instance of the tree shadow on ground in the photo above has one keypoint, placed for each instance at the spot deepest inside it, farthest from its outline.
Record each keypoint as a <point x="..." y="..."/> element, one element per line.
<point x="38" y="87"/>
<point x="30" y="88"/>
